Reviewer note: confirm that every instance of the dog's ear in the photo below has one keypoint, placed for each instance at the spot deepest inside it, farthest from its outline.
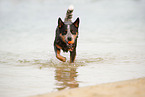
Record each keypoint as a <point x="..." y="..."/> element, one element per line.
<point x="76" y="23"/>
<point x="60" y="22"/>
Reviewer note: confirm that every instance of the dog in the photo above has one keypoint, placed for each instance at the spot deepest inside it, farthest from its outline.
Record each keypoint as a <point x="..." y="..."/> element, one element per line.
<point x="66" y="36"/>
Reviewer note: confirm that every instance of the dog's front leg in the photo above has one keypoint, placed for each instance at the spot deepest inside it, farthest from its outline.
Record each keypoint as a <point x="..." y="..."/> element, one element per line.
<point x="57" y="52"/>
<point x="72" y="56"/>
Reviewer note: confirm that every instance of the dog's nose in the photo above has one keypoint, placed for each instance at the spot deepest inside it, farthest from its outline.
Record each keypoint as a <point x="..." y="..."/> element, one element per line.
<point x="69" y="38"/>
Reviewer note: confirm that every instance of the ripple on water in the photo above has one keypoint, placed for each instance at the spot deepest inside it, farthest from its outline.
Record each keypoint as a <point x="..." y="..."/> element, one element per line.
<point x="50" y="63"/>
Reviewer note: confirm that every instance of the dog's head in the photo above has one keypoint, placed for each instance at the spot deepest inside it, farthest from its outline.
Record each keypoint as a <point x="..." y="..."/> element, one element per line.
<point x="68" y="31"/>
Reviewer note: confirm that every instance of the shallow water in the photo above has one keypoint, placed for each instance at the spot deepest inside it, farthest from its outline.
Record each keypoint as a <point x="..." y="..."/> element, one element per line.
<point x="110" y="48"/>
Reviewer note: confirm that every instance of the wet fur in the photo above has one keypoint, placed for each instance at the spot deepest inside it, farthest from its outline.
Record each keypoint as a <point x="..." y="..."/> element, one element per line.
<point x="63" y="36"/>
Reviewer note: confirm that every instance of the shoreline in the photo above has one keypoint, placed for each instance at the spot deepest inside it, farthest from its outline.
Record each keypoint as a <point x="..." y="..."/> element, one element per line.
<point x="128" y="88"/>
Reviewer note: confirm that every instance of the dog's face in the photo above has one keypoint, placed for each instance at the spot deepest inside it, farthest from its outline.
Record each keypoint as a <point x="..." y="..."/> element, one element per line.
<point x="68" y="31"/>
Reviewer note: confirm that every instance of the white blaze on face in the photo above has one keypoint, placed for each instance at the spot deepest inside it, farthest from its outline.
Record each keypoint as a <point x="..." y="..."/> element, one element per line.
<point x="69" y="34"/>
<point x="68" y="28"/>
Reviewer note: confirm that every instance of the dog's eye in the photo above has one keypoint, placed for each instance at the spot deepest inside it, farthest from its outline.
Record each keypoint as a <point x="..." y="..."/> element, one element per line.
<point x="64" y="32"/>
<point x="73" y="32"/>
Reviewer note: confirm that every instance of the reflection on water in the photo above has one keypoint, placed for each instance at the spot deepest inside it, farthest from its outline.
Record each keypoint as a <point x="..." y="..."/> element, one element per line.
<point x="66" y="77"/>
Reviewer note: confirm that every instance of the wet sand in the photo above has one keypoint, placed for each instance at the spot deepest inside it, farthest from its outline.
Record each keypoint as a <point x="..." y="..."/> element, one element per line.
<point x="129" y="88"/>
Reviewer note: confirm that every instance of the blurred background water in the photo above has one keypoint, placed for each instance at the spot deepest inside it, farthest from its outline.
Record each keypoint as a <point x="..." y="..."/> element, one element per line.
<point x="110" y="48"/>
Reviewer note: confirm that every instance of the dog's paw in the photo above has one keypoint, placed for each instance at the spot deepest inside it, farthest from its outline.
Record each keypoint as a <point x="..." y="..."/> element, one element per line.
<point x="64" y="59"/>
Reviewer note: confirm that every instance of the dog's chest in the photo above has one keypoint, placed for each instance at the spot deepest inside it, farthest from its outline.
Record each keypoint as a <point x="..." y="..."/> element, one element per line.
<point x="62" y="45"/>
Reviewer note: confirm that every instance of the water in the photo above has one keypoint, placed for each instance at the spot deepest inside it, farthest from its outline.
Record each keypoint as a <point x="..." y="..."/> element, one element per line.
<point x="110" y="48"/>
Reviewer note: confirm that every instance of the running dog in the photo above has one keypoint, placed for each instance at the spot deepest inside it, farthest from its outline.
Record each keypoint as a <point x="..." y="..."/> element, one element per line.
<point x="66" y="36"/>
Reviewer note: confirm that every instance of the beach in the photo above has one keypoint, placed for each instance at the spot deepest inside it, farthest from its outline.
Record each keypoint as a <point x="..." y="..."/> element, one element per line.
<point x="129" y="88"/>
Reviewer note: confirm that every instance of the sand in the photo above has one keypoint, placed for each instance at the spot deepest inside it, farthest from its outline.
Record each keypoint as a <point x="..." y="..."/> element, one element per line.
<point x="129" y="88"/>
